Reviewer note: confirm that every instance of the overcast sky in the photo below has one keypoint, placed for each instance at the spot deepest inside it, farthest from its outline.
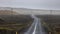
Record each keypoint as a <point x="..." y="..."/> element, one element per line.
<point x="34" y="4"/>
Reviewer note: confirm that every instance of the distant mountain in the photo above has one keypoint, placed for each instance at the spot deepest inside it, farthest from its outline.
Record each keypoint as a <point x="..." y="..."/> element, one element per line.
<point x="27" y="11"/>
<point x="10" y="8"/>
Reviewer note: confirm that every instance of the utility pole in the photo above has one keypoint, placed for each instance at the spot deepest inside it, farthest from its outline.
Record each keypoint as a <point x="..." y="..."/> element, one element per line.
<point x="11" y="11"/>
<point x="51" y="12"/>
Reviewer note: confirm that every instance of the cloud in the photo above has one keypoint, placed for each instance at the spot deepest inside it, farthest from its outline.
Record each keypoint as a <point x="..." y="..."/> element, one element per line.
<point x="35" y="4"/>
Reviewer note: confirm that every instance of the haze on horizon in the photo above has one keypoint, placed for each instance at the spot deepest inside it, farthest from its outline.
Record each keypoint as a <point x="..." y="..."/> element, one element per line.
<point x="32" y="4"/>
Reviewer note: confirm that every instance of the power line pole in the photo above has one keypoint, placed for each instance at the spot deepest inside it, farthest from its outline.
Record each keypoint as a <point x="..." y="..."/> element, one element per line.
<point x="51" y="12"/>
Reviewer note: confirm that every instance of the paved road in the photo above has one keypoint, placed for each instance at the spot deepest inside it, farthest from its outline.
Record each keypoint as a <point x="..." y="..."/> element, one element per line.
<point x="36" y="27"/>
